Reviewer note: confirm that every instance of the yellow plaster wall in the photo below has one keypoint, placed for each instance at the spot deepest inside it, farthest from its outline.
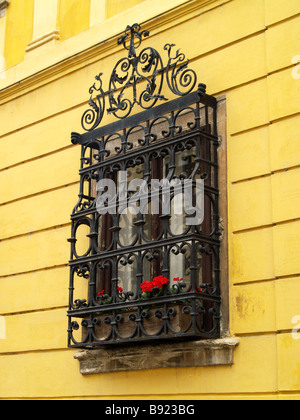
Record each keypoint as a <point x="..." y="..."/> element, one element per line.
<point x="74" y="17"/>
<point x="247" y="56"/>
<point x="114" y="7"/>
<point x="19" y="30"/>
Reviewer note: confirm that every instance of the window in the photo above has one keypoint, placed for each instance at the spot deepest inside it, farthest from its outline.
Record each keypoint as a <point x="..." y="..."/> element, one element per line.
<point x="149" y="206"/>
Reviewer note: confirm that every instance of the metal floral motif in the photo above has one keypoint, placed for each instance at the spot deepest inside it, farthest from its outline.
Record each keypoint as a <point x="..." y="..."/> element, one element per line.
<point x="138" y="79"/>
<point x="92" y="117"/>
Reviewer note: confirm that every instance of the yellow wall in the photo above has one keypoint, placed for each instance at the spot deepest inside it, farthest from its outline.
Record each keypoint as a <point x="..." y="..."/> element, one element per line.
<point x="74" y="17"/>
<point x="114" y="7"/>
<point x="240" y="48"/>
<point x="19" y="28"/>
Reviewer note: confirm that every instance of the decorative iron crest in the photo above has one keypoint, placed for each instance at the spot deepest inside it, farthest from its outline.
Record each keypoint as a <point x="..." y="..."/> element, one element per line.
<point x="138" y="79"/>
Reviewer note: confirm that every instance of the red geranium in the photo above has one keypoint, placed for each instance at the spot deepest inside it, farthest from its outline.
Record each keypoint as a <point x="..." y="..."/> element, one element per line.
<point x="147" y="286"/>
<point x="158" y="282"/>
<point x="120" y="290"/>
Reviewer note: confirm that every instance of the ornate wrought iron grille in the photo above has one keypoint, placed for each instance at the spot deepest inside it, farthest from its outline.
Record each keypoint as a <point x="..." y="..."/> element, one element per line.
<point x="146" y="274"/>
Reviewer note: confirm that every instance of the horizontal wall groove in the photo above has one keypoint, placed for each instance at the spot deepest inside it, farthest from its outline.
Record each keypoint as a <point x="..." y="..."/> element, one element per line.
<point x="248" y="130"/>
<point x="24" y="352"/>
<point x="42" y="120"/>
<point x="62" y="149"/>
<point x="252" y="229"/>
<point x="266" y="175"/>
<point x="38" y="270"/>
<point x="33" y="311"/>
<point x="271" y="225"/>
<point x="228" y="45"/>
<point x="281" y="69"/>
<point x="23" y="235"/>
<point x="280" y="22"/>
<point x="41" y="193"/>
<point x="288" y="276"/>
<point x="273" y="279"/>
<point x="238" y="86"/>
<point x="284" y="170"/>
<point x="274" y="332"/>
<point x="253" y="178"/>
<point x="285" y="117"/>
<point x="274" y="121"/>
<point x="267" y="226"/>
<point x="253" y="282"/>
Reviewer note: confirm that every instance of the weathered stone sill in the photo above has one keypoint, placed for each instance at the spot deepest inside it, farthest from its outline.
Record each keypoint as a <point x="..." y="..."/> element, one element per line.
<point x="156" y="356"/>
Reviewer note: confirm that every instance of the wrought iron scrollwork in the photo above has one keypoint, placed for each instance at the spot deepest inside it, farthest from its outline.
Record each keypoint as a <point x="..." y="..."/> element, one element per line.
<point x="93" y="116"/>
<point x="146" y="69"/>
<point x="181" y="80"/>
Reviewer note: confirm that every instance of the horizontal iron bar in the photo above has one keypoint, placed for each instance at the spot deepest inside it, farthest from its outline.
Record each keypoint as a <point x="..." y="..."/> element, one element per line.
<point x="184" y="298"/>
<point x="158" y="111"/>
<point x="145" y="247"/>
<point x="153" y="147"/>
<point x="160" y="338"/>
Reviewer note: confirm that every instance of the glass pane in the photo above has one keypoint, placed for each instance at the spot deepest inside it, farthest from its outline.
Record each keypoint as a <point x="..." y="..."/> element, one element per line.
<point x="127" y="270"/>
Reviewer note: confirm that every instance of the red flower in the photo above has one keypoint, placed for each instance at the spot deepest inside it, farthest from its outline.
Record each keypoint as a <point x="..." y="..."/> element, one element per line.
<point x="158" y="282"/>
<point x="147" y="286"/>
<point x="120" y="290"/>
<point x="177" y="279"/>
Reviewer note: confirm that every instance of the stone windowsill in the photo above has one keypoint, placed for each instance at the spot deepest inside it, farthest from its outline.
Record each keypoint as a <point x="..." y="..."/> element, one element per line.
<point x="156" y="356"/>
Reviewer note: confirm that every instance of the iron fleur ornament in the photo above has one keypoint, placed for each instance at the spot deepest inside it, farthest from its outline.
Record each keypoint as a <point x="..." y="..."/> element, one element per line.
<point x="138" y="79"/>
